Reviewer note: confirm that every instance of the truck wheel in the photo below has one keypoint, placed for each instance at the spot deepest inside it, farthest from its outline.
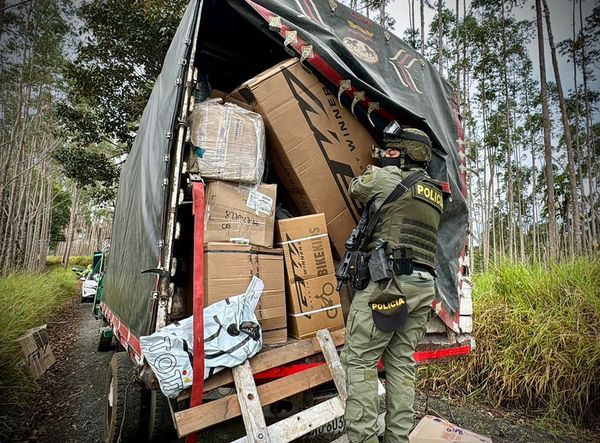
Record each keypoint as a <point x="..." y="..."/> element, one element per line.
<point x="123" y="410"/>
<point x="160" y="423"/>
<point x="105" y="340"/>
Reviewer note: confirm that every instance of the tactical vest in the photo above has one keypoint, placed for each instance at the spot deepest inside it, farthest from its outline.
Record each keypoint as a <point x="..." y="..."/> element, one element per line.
<point x="413" y="220"/>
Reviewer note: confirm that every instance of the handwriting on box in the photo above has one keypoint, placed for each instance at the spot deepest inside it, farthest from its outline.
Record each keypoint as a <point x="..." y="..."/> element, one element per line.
<point x="237" y="217"/>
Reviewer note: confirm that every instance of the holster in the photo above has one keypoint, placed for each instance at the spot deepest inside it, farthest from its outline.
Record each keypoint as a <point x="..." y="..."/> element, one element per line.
<point x="379" y="266"/>
<point x="359" y="270"/>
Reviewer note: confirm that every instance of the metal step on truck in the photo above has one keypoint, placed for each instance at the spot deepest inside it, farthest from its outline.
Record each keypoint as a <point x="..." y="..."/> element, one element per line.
<point x="200" y="220"/>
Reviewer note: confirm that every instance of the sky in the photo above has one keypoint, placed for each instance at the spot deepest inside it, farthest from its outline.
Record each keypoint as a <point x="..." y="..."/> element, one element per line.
<point x="561" y="12"/>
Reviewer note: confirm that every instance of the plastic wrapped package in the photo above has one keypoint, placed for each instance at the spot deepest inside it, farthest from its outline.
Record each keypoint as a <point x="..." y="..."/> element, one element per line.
<point x="232" y="335"/>
<point x="228" y="142"/>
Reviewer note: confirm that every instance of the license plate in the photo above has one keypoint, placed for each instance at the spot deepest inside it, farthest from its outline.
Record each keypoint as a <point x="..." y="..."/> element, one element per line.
<point x="333" y="427"/>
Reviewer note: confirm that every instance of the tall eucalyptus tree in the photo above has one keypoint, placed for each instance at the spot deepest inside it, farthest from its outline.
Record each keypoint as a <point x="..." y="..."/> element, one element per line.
<point x="548" y="167"/>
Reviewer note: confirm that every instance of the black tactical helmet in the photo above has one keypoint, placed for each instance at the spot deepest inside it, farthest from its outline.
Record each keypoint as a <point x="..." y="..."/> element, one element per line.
<point x="413" y="142"/>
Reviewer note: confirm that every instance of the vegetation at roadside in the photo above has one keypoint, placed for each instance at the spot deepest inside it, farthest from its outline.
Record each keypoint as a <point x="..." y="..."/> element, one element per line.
<point x="76" y="261"/>
<point x="538" y="349"/>
<point x="27" y="300"/>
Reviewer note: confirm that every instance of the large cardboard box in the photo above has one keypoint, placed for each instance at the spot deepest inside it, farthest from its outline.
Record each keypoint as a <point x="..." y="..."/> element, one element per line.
<point x="36" y="350"/>
<point x="235" y="211"/>
<point x="228" y="141"/>
<point x="433" y="429"/>
<point x="313" y="301"/>
<point x="315" y="145"/>
<point x="228" y="269"/>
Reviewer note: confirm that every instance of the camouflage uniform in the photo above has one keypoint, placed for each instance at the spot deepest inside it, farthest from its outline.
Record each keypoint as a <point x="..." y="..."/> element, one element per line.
<point x="412" y="220"/>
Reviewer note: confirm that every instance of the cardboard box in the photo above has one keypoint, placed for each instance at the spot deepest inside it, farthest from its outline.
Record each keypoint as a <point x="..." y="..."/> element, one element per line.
<point x="315" y="145"/>
<point x="433" y="429"/>
<point x="313" y="302"/>
<point x="228" y="269"/>
<point x="229" y="142"/>
<point x="235" y="211"/>
<point x="36" y="350"/>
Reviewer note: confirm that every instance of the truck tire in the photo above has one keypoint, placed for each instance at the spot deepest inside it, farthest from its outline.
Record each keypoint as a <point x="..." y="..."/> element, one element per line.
<point x="160" y="423"/>
<point x="123" y="420"/>
<point x="105" y="341"/>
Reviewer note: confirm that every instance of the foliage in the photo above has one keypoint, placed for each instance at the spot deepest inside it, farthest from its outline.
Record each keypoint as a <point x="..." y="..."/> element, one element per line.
<point x="119" y="55"/>
<point x="61" y="209"/>
<point x="537" y="342"/>
<point x="26" y="300"/>
<point x="82" y="260"/>
<point x="75" y="261"/>
<point x="90" y="169"/>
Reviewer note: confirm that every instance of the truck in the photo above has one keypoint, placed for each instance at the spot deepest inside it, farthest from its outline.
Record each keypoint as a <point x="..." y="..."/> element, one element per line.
<point x="156" y="251"/>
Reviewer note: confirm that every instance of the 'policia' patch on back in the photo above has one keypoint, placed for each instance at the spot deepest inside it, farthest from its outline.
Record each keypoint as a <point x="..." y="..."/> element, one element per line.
<point x="429" y="194"/>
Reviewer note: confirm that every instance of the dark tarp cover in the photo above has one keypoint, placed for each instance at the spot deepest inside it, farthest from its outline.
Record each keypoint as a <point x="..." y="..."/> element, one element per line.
<point x="138" y="224"/>
<point x="348" y="46"/>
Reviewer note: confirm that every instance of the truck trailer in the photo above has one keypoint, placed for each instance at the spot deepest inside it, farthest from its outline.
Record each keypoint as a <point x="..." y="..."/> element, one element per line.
<point x="155" y="271"/>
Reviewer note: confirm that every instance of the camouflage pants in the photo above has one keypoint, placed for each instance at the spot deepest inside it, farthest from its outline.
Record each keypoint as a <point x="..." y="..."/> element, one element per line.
<point x="365" y="345"/>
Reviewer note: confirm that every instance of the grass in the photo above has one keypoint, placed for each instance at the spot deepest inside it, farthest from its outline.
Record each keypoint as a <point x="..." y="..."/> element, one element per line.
<point x="538" y="343"/>
<point x="80" y="261"/>
<point x="26" y="300"/>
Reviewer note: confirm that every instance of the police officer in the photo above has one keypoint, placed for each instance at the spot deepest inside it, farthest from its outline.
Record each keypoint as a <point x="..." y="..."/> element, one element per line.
<point x="388" y="318"/>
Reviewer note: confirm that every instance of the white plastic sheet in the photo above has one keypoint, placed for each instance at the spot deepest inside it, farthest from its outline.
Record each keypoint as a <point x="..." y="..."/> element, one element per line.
<point x="231" y="336"/>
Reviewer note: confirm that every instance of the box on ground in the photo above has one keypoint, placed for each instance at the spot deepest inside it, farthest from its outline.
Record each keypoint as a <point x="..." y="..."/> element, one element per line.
<point x="315" y="145"/>
<point x="229" y="142"/>
<point x="36" y="350"/>
<point x="433" y="429"/>
<point x="313" y="302"/>
<point x="236" y="211"/>
<point x="228" y="269"/>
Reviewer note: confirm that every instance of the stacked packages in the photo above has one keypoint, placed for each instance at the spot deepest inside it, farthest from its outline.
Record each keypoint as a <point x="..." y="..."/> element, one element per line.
<point x="316" y="147"/>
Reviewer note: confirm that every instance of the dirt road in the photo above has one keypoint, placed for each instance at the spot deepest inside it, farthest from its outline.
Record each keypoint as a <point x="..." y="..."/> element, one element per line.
<point x="70" y="403"/>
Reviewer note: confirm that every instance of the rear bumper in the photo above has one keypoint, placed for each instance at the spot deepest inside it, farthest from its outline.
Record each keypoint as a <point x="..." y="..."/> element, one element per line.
<point x="438" y="348"/>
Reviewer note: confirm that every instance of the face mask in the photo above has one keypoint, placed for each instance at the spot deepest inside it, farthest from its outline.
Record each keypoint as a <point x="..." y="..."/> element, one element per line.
<point x="390" y="161"/>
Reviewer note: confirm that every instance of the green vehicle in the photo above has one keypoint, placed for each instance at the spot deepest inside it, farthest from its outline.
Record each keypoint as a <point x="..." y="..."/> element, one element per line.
<point x="93" y="274"/>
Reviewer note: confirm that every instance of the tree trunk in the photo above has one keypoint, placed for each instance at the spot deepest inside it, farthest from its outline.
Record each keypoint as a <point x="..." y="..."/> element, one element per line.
<point x="46" y="222"/>
<point x="440" y="38"/>
<point x="552" y="233"/>
<point x="413" y="41"/>
<point x="534" y="199"/>
<point x="40" y="209"/>
<point x="458" y="41"/>
<point x="502" y="232"/>
<point x="487" y="185"/>
<point x="2" y="6"/>
<point x="509" y="152"/>
<point x="568" y="141"/>
<point x="422" y="9"/>
<point x="585" y="238"/>
<point x="592" y="176"/>
<point x="382" y="13"/>
<point x="71" y="229"/>
<point x="465" y="70"/>
<point x="520" y="190"/>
